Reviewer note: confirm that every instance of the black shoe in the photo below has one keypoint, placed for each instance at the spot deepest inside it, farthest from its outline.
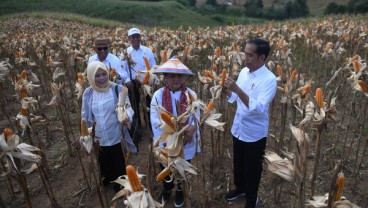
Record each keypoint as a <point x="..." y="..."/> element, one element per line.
<point x="179" y="199"/>
<point x="164" y="196"/>
<point x="234" y="194"/>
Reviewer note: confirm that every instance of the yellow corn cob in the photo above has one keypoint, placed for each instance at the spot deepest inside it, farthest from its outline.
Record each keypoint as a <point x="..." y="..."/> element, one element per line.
<point x="146" y="62"/>
<point x="223" y="77"/>
<point x="356" y="57"/>
<point x="305" y="89"/>
<point x="208" y="74"/>
<point x="282" y="40"/>
<point x="218" y="52"/>
<point x="161" y="176"/>
<point x="24" y="112"/>
<point x="319" y="98"/>
<point x="214" y="68"/>
<point x="145" y="79"/>
<point x="167" y="119"/>
<point x="187" y="50"/>
<point x="133" y="178"/>
<point x="163" y="152"/>
<point x="363" y="85"/>
<point x="279" y="70"/>
<point x="340" y="185"/>
<point x="84" y="128"/>
<point x="210" y="105"/>
<point x="200" y="43"/>
<point x="356" y="66"/>
<point x="23" y="93"/>
<point x="286" y="89"/>
<point x="7" y="132"/>
<point x="113" y="72"/>
<point x="80" y="78"/>
<point x="164" y="56"/>
<point x="236" y="47"/>
<point x="24" y="74"/>
<point x="294" y="74"/>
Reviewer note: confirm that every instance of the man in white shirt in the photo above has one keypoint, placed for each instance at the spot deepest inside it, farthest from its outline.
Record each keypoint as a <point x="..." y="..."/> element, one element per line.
<point x="101" y="45"/>
<point x="137" y="53"/>
<point x="253" y="91"/>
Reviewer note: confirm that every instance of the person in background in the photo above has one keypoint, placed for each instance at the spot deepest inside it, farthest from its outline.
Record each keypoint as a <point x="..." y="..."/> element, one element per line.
<point x="98" y="105"/>
<point x="175" y="74"/>
<point x="253" y="91"/>
<point x="101" y="46"/>
<point x="137" y="51"/>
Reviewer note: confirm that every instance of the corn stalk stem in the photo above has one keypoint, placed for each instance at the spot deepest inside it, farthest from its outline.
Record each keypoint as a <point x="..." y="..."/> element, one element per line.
<point x="65" y="127"/>
<point x="343" y="157"/>
<point x="318" y="153"/>
<point x="47" y="186"/>
<point x="83" y="170"/>
<point x="23" y="184"/>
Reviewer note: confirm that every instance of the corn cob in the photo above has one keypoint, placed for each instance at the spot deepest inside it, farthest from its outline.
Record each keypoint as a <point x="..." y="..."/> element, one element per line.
<point x="286" y="89"/>
<point x="340" y="185"/>
<point x="167" y="119"/>
<point x="208" y="74"/>
<point x="223" y="77"/>
<point x="80" y="78"/>
<point x="294" y="74"/>
<point x="84" y="128"/>
<point x="356" y="66"/>
<point x="186" y="50"/>
<point x="133" y="178"/>
<point x="145" y="79"/>
<point x="164" y="56"/>
<point x="218" y="52"/>
<point x="210" y="105"/>
<point x="161" y="176"/>
<point x="305" y="89"/>
<point x="279" y="70"/>
<point x="319" y="98"/>
<point x="236" y="47"/>
<point x="24" y="112"/>
<point x="113" y="73"/>
<point x="146" y="62"/>
<point x="281" y="43"/>
<point x="363" y="85"/>
<point x="24" y="74"/>
<point x="23" y="93"/>
<point x="214" y="68"/>
<point x="7" y="132"/>
<point x="201" y="43"/>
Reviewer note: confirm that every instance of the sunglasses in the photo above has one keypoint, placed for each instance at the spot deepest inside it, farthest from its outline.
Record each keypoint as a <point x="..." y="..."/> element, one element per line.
<point x="100" y="48"/>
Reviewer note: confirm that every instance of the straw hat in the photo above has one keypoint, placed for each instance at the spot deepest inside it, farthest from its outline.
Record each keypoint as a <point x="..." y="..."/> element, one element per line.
<point x="101" y="41"/>
<point x="173" y="66"/>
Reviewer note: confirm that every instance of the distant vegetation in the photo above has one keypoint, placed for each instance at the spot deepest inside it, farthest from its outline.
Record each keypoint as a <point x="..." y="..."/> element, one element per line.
<point x="353" y="7"/>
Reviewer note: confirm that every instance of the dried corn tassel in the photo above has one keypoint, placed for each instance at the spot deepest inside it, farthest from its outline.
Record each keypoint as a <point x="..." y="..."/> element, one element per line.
<point x="167" y="119"/>
<point x="133" y="178"/>
<point x="319" y="98"/>
<point x="210" y="106"/>
<point x="146" y="77"/>
<point x="356" y="66"/>
<point x="164" y="173"/>
<point x="7" y="132"/>
<point x="84" y="128"/>
<point x="279" y="70"/>
<point x="223" y="77"/>
<point x="146" y="62"/>
<point x="340" y="185"/>
<point x="218" y="52"/>
<point x="363" y="85"/>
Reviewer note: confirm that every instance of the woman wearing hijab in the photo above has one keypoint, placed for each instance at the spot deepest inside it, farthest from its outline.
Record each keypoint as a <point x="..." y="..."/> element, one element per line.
<point x="98" y="105"/>
<point x="175" y="74"/>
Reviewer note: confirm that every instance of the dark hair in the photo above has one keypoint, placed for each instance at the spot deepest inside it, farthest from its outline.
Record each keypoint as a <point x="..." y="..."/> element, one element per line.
<point x="262" y="47"/>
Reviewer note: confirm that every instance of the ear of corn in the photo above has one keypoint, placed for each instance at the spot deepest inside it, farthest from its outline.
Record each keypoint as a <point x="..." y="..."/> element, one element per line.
<point x="133" y="178"/>
<point x="7" y="132"/>
<point x="208" y="74"/>
<point x="164" y="56"/>
<point x="319" y="98"/>
<point x="24" y="74"/>
<point x="23" y="93"/>
<point x="236" y="47"/>
<point x="145" y="79"/>
<point x="210" y="105"/>
<point x="223" y="77"/>
<point x="214" y="68"/>
<point x="24" y="111"/>
<point x="363" y="85"/>
<point x="164" y="173"/>
<point x="340" y="185"/>
<point x="146" y="62"/>
<point x="84" y="128"/>
<point x="113" y="72"/>
<point x="218" y="52"/>
<point x="279" y="70"/>
<point x="187" y="50"/>
<point x="356" y="66"/>
<point x="167" y="119"/>
<point x="305" y="89"/>
<point x="294" y="74"/>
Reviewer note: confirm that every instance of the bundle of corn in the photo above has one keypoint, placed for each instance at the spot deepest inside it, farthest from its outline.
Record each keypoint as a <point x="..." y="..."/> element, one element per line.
<point x="136" y="195"/>
<point x="22" y="86"/>
<point x="281" y="167"/>
<point x="85" y="137"/>
<point x="123" y="108"/>
<point x="217" y="89"/>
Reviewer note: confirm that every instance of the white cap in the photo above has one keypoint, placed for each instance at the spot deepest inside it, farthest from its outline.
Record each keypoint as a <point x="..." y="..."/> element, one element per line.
<point x="133" y="31"/>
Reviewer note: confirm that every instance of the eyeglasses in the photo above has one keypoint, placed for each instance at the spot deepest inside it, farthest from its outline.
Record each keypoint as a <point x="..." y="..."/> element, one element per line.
<point x="104" y="48"/>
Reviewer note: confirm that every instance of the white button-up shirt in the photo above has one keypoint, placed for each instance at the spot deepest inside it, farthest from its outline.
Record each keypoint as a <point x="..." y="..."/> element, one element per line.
<point x="111" y="61"/>
<point x="251" y="124"/>
<point x="137" y="56"/>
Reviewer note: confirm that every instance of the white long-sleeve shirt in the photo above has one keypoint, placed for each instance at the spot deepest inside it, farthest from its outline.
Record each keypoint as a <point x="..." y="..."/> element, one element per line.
<point x="251" y="124"/>
<point x="190" y="148"/>
<point x="111" y="61"/>
<point x="137" y="56"/>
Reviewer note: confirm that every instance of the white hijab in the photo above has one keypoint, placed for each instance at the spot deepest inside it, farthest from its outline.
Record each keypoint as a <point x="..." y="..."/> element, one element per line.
<point x="91" y="72"/>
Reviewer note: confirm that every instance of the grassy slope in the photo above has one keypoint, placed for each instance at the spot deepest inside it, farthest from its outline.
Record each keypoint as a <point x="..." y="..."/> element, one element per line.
<point x="165" y="13"/>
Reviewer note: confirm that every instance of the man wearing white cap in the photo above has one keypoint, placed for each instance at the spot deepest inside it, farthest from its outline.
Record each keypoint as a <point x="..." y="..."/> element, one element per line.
<point x="175" y="74"/>
<point x="137" y="52"/>
<point x="101" y="45"/>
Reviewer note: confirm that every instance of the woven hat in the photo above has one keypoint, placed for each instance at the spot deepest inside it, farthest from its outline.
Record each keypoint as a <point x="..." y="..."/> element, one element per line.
<point x="133" y="31"/>
<point x="173" y="66"/>
<point x="101" y="41"/>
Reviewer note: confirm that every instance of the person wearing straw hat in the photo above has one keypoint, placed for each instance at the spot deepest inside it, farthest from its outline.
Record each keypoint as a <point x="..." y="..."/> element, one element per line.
<point x="253" y="91"/>
<point x="174" y="74"/>
<point x="98" y="105"/>
<point x="137" y="52"/>
<point x="101" y="46"/>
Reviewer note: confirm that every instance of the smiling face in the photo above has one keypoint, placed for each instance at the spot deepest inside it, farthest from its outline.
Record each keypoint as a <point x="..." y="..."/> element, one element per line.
<point x="101" y="78"/>
<point x="252" y="60"/>
<point x="135" y="40"/>
<point x="102" y="51"/>
<point x="174" y="81"/>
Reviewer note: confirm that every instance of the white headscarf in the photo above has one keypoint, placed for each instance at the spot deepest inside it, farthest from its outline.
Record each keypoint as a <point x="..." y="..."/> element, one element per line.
<point x="91" y="72"/>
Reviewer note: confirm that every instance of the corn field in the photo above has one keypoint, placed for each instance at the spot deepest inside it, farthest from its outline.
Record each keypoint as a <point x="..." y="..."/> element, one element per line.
<point x="318" y="136"/>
